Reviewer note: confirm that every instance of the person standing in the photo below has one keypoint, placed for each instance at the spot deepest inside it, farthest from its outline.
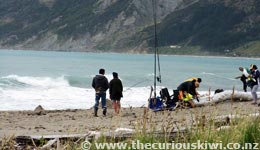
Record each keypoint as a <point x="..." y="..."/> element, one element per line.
<point x="100" y="84"/>
<point x="255" y="75"/>
<point x="116" y="91"/>
<point x="243" y="77"/>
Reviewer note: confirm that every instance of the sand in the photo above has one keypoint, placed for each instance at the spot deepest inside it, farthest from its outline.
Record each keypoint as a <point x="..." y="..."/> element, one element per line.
<point x="62" y="122"/>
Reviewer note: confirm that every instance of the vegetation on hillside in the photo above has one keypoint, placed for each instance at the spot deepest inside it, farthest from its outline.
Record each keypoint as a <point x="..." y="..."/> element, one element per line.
<point x="228" y="27"/>
<point x="214" y="27"/>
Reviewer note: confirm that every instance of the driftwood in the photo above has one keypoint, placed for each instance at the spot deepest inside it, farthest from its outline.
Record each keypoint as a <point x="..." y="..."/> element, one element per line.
<point x="224" y="122"/>
<point x="225" y="96"/>
<point x="233" y="117"/>
<point x="118" y="134"/>
<point x="50" y="143"/>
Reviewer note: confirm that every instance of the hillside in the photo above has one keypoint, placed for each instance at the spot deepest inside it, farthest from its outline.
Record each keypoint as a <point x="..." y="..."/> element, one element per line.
<point x="207" y="27"/>
<point x="75" y="25"/>
<point x="230" y="27"/>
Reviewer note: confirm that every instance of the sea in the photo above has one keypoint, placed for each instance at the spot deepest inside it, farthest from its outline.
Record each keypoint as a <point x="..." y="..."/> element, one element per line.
<point x="62" y="80"/>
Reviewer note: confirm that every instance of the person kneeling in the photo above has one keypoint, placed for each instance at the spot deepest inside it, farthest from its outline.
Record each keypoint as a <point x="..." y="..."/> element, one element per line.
<point x="187" y="92"/>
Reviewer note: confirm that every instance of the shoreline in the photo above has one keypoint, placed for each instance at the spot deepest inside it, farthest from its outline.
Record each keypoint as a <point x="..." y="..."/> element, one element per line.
<point x="80" y="121"/>
<point x="131" y="53"/>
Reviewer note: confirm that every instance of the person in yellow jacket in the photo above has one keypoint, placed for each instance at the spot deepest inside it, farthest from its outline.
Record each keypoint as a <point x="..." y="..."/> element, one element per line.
<point x="187" y="91"/>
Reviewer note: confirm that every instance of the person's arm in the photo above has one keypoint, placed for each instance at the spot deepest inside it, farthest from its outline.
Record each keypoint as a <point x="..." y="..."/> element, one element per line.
<point x="256" y="75"/>
<point x="121" y="85"/>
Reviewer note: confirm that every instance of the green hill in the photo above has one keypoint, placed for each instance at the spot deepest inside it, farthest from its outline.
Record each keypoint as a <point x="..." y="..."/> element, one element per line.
<point x="194" y="27"/>
<point x="216" y="27"/>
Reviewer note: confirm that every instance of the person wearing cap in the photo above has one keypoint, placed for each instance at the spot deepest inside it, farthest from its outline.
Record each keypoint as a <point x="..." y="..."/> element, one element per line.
<point x="116" y="91"/>
<point x="100" y="84"/>
<point x="255" y="75"/>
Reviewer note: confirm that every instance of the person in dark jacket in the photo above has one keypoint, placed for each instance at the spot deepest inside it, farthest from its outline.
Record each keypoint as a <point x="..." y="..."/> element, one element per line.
<point x="116" y="91"/>
<point x="187" y="91"/>
<point x="100" y="84"/>
<point x="255" y="75"/>
<point x="199" y="80"/>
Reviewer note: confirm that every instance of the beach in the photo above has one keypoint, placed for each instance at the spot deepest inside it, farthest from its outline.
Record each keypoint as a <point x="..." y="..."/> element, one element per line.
<point x="81" y="121"/>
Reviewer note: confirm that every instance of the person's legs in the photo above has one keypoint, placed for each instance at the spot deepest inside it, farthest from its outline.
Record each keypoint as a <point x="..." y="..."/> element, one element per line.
<point x="188" y="98"/>
<point x="115" y="105"/>
<point x="192" y="103"/>
<point x="180" y="97"/>
<point x="118" y="106"/>
<point x="96" y="104"/>
<point x="244" y="86"/>
<point x="103" y="102"/>
<point x="254" y="95"/>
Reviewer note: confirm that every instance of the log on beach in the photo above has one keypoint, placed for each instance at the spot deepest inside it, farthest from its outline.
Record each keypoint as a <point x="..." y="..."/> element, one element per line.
<point x="118" y="135"/>
<point x="235" y="96"/>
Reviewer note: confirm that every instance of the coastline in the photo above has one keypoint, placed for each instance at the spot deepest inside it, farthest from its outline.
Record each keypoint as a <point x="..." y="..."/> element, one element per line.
<point x="81" y="121"/>
<point x="130" y="52"/>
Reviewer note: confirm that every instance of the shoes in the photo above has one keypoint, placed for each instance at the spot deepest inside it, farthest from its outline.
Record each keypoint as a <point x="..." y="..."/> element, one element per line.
<point x="95" y="112"/>
<point x="258" y="105"/>
<point x="104" y="111"/>
<point x="254" y="103"/>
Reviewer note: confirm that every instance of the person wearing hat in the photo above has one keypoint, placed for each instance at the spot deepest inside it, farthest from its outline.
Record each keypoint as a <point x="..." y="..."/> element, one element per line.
<point x="116" y="91"/>
<point x="255" y="75"/>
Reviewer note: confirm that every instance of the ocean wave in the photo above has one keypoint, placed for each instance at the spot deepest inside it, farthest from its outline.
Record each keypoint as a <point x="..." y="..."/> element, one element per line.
<point x="28" y="81"/>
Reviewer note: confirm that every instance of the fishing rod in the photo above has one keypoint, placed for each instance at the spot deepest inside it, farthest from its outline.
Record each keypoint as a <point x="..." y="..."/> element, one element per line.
<point x="156" y="52"/>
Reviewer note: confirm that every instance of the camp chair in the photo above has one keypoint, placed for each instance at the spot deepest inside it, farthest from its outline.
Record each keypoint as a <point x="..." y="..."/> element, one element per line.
<point x="167" y="99"/>
<point x="165" y="95"/>
<point x="156" y="104"/>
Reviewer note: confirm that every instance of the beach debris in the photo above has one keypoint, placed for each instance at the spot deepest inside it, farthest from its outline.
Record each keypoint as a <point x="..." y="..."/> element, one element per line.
<point x="50" y="143"/>
<point x="127" y="130"/>
<point x="223" y="128"/>
<point x="236" y="96"/>
<point x="39" y="127"/>
<point x="127" y="114"/>
<point x="39" y="110"/>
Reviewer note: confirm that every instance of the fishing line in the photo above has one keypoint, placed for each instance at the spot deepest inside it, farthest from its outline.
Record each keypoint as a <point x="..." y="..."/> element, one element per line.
<point x="137" y="83"/>
<point x="212" y="74"/>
